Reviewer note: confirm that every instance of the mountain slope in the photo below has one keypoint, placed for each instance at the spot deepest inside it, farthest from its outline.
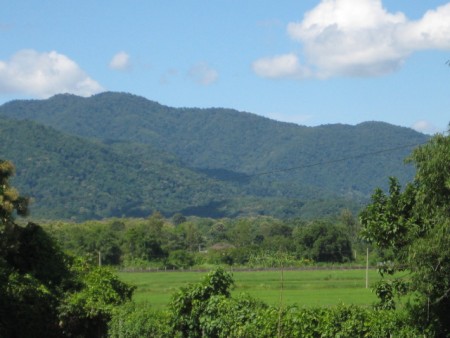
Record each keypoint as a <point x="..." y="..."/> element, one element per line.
<point x="202" y="161"/>
<point x="226" y="139"/>
<point x="71" y="177"/>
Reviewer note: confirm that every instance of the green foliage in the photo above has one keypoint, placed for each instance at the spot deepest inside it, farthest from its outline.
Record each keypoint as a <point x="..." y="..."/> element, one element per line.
<point x="180" y="259"/>
<point x="429" y="262"/>
<point x="324" y="242"/>
<point x="27" y="307"/>
<point x="38" y="255"/>
<point x="188" y="304"/>
<point x="40" y="296"/>
<point x="73" y="178"/>
<point x="10" y="201"/>
<point x="142" y="244"/>
<point x="86" y="311"/>
<point x="413" y="225"/>
<point x="433" y="176"/>
<point x="138" y="320"/>
<point x="129" y="144"/>
<point x="244" y="317"/>
<point x="390" y="221"/>
<point x="253" y="241"/>
<point x="32" y="269"/>
<point x="270" y="259"/>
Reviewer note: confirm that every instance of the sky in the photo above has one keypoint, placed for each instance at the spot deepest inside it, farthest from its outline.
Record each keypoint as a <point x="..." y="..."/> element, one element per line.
<point x="309" y="62"/>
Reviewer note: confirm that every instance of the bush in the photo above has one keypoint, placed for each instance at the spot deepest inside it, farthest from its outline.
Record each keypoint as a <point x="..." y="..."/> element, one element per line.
<point x="138" y="320"/>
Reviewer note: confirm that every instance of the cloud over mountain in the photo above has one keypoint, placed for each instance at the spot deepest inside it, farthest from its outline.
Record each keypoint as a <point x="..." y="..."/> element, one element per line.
<point x="44" y="74"/>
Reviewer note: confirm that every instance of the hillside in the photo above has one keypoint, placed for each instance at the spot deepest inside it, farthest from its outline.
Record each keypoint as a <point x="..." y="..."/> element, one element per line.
<point x="70" y="177"/>
<point x="338" y="163"/>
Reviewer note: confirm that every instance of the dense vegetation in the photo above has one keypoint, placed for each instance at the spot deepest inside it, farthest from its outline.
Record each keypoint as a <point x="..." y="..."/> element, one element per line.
<point x="412" y="227"/>
<point x="68" y="176"/>
<point x="180" y="242"/>
<point x="195" y="161"/>
<point x="43" y="291"/>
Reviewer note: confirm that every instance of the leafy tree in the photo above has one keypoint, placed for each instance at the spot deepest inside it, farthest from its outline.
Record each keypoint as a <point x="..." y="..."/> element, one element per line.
<point x="217" y="233"/>
<point x="11" y="203"/>
<point x="180" y="259"/>
<point x="28" y="308"/>
<point x="88" y="307"/>
<point x="351" y="223"/>
<point x="38" y="289"/>
<point x="188" y="304"/>
<point x="413" y="225"/>
<point x="241" y="234"/>
<point x="107" y="244"/>
<point x="155" y="224"/>
<point x="140" y="242"/>
<point x="32" y="268"/>
<point x="192" y="236"/>
<point x="324" y="242"/>
<point x="10" y="200"/>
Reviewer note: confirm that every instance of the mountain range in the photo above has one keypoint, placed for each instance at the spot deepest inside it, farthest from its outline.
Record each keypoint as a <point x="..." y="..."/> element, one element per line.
<point x="118" y="154"/>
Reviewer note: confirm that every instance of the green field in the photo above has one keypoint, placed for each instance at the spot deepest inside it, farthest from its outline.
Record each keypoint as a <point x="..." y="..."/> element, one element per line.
<point x="303" y="287"/>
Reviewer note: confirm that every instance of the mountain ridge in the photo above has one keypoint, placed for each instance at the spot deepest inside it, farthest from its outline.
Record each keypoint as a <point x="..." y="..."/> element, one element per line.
<point x="234" y="148"/>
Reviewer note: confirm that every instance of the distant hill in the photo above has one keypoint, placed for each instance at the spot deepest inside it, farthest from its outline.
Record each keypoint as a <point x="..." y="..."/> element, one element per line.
<point x="71" y="177"/>
<point x="332" y="165"/>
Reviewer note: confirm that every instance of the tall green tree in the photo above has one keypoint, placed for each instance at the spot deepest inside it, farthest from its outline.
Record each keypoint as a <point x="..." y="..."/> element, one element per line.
<point x="41" y="293"/>
<point x="189" y="303"/>
<point x="11" y="204"/>
<point x="87" y="307"/>
<point x="412" y="226"/>
<point x="323" y="241"/>
<point x="32" y="269"/>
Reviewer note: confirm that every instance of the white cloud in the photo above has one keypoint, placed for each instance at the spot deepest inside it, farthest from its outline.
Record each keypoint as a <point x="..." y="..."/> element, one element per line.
<point x="120" y="61"/>
<point x="425" y="127"/>
<point x="361" y="38"/>
<point x="278" y="66"/>
<point x="44" y="74"/>
<point x="203" y="74"/>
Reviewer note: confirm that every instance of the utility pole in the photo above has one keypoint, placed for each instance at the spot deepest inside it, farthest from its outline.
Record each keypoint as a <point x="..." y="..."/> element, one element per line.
<point x="367" y="268"/>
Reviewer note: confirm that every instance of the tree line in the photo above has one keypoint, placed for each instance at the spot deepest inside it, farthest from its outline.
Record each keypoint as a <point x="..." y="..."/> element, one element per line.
<point x="184" y="242"/>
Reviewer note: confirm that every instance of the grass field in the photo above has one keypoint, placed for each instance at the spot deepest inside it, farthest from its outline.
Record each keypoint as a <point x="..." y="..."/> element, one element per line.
<point x="303" y="287"/>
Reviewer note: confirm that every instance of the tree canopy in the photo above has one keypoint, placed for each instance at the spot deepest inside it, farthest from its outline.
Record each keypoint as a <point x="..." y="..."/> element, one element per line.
<point x="412" y="226"/>
<point x="43" y="291"/>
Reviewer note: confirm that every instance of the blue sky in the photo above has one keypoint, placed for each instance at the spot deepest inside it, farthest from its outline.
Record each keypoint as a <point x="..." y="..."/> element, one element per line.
<point x="304" y="61"/>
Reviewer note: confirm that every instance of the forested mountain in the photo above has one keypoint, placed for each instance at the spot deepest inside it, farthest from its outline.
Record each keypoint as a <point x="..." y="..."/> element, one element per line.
<point x="146" y="156"/>
<point x="68" y="176"/>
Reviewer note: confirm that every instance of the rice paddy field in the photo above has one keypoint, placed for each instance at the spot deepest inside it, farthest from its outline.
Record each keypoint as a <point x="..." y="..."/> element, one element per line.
<point x="302" y="287"/>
